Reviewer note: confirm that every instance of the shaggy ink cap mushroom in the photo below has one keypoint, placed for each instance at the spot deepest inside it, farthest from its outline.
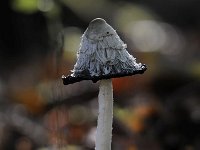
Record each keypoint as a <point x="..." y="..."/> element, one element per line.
<point x="102" y="55"/>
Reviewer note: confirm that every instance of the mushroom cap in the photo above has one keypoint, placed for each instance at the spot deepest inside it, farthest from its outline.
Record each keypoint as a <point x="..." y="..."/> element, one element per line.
<point x="102" y="55"/>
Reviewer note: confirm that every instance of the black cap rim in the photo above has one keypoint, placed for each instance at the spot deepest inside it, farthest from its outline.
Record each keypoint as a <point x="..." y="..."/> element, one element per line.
<point x="71" y="79"/>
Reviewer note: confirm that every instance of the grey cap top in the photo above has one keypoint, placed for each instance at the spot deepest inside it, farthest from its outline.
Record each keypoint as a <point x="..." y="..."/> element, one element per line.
<point x="97" y="21"/>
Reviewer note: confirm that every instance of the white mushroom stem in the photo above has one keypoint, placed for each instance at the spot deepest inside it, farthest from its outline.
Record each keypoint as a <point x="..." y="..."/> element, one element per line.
<point x="105" y="117"/>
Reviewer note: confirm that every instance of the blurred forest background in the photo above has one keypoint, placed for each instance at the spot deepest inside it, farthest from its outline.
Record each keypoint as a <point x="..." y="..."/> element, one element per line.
<point x="159" y="110"/>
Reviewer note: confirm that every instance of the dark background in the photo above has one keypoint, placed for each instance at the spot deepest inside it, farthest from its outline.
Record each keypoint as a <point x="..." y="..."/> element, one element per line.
<point x="159" y="110"/>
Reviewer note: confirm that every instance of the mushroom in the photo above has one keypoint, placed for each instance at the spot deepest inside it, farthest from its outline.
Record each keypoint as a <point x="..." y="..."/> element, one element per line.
<point x="102" y="55"/>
